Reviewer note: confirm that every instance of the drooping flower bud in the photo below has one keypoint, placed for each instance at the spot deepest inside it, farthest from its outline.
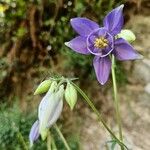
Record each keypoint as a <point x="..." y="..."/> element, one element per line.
<point x="43" y="87"/>
<point x="128" y="35"/>
<point x="49" y="110"/>
<point x="34" y="133"/>
<point x="58" y="108"/>
<point x="71" y="95"/>
<point x="47" y="96"/>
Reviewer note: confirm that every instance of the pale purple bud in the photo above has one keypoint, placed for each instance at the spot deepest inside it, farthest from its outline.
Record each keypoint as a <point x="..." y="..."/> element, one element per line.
<point x="34" y="133"/>
<point x="56" y="114"/>
<point x="49" y="110"/>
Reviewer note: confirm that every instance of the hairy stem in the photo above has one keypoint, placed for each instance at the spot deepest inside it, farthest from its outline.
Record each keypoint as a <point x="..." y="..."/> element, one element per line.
<point x="49" y="141"/>
<point x="116" y="100"/>
<point x="53" y="144"/>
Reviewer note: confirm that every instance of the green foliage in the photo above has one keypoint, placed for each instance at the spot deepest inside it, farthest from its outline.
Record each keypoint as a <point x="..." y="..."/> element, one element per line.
<point x="8" y="129"/>
<point x="15" y="127"/>
<point x="21" y="32"/>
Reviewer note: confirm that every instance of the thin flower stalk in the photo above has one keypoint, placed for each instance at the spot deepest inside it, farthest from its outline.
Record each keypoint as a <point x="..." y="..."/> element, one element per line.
<point x="49" y="141"/>
<point x="116" y="101"/>
<point x="99" y="117"/>
<point x="53" y="143"/>
<point x="62" y="137"/>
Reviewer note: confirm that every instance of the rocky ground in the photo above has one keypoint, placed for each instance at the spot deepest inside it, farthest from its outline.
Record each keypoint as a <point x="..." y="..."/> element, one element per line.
<point x="134" y="97"/>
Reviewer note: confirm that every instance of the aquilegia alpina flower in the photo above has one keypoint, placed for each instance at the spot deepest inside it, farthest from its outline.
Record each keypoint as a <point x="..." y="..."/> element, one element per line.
<point x="102" y="42"/>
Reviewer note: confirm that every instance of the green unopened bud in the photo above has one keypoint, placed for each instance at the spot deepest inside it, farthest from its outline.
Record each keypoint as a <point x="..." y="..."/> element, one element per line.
<point x="128" y="35"/>
<point x="43" y="87"/>
<point x="71" y="95"/>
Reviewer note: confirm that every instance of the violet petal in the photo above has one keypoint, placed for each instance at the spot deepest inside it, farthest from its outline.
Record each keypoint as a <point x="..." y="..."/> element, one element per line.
<point x="124" y="51"/>
<point x="78" y="44"/>
<point x="34" y="132"/>
<point x="114" y="20"/>
<point x="83" y="26"/>
<point x="102" y="66"/>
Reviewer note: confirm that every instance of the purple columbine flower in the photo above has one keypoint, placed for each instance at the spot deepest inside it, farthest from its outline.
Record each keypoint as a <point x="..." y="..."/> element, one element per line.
<point x="102" y="41"/>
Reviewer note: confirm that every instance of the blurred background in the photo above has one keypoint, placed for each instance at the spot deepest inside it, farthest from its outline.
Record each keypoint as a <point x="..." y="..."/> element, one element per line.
<point x="32" y="36"/>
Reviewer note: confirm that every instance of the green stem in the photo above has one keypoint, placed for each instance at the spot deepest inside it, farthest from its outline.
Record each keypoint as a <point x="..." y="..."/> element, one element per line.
<point x="53" y="144"/>
<point x="62" y="137"/>
<point x="100" y="119"/>
<point x="49" y="141"/>
<point x="116" y="100"/>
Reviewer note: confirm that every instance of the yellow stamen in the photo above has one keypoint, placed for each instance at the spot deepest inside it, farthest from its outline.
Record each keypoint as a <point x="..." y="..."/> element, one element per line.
<point x="100" y="42"/>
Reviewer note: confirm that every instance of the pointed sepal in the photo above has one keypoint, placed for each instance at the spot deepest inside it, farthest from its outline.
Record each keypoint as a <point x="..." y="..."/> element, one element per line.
<point x="70" y="95"/>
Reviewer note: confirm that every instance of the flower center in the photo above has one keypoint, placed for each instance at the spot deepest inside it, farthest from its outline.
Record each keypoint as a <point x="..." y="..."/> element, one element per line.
<point x="100" y="42"/>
